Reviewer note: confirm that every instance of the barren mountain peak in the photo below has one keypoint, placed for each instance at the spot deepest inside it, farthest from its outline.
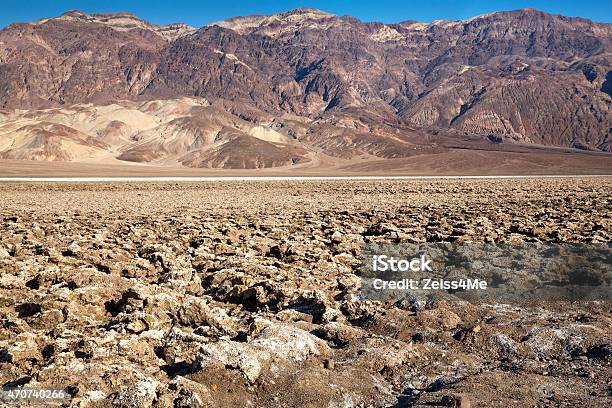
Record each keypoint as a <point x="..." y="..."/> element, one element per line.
<point x="74" y="12"/>
<point x="307" y="10"/>
<point x="292" y="17"/>
<point x="116" y="16"/>
<point x="115" y="20"/>
<point x="123" y="21"/>
<point x="529" y="12"/>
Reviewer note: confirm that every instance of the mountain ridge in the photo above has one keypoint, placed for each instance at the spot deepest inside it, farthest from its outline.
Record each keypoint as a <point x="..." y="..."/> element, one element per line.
<point x="513" y="77"/>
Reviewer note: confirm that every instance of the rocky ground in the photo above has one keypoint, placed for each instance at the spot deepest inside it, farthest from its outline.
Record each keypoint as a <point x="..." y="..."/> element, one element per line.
<point x="244" y="294"/>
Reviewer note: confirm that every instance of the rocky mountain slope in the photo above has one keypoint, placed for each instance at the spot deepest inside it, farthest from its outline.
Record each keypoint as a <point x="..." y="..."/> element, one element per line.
<point x="332" y="85"/>
<point x="187" y="131"/>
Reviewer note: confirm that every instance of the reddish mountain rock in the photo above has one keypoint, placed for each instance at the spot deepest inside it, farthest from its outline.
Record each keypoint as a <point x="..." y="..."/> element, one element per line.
<point x="519" y="77"/>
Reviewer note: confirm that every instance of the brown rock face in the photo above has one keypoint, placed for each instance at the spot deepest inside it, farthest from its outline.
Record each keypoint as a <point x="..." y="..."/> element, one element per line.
<point x="513" y="77"/>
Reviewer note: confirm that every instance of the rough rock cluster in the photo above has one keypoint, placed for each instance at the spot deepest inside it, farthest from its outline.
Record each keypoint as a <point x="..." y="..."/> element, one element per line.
<point x="245" y="294"/>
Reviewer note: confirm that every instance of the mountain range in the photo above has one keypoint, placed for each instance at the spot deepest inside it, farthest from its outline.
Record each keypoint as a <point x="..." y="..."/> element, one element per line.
<point x="301" y="88"/>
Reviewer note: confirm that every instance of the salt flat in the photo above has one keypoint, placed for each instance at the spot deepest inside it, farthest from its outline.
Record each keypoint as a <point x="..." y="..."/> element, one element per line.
<point x="246" y="291"/>
<point x="273" y="178"/>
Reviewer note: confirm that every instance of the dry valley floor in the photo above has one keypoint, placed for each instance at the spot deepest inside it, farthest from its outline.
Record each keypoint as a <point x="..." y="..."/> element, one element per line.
<point x="244" y="294"/>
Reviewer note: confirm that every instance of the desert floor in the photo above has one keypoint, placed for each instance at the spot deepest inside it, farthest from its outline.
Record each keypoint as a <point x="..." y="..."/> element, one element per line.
<point x="459" y="161"/>
<point x="244" y="294"/>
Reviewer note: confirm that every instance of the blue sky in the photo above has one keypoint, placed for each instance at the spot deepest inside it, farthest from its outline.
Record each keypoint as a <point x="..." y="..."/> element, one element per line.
<point x="200" y="12"/>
